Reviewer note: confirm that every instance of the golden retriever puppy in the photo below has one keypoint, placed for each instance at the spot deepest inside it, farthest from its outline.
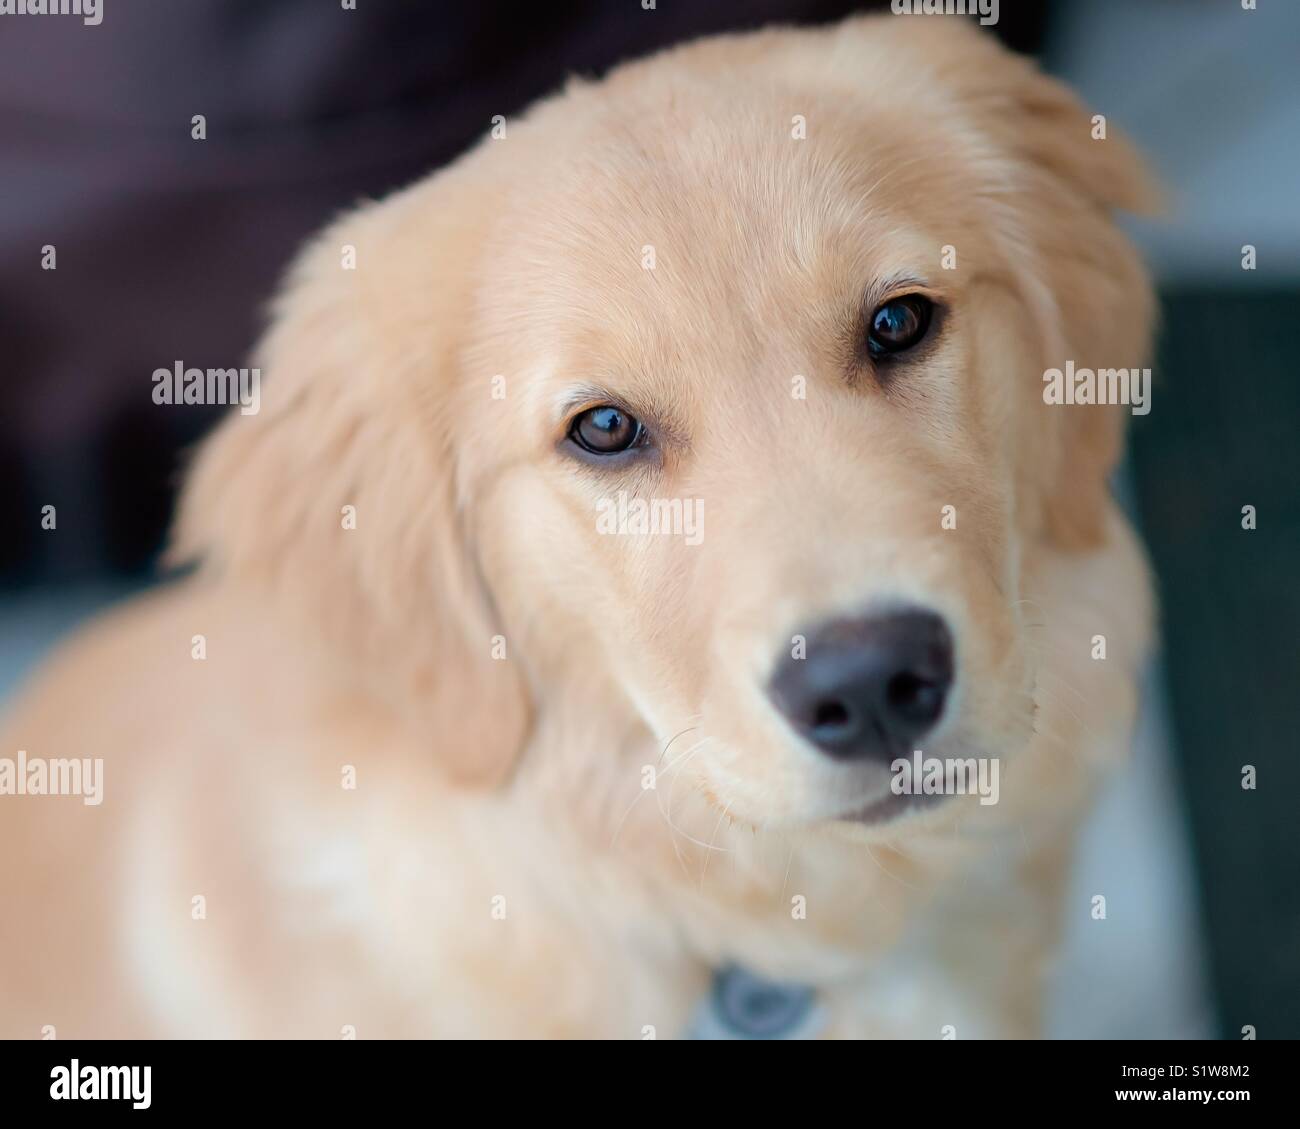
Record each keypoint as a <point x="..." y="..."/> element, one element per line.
<point x="619" y="547"/>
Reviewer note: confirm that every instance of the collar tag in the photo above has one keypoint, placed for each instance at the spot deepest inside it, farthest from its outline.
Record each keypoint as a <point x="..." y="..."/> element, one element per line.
<point x="741" y="1005"/>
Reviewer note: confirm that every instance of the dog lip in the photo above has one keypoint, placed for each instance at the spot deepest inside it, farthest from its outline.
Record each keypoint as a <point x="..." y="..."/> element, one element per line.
<point x="890" y="806"/>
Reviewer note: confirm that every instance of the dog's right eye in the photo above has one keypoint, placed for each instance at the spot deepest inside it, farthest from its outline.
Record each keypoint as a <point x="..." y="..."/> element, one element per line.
<point x="606" y="430"/>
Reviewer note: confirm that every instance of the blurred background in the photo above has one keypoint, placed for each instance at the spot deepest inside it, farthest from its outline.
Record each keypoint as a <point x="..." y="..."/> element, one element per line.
<point x="169" y="249"/>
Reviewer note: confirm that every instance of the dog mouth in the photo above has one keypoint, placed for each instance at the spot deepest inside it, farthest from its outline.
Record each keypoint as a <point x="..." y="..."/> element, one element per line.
<point x="889" y="807"/>
<point x="921" y="782"/>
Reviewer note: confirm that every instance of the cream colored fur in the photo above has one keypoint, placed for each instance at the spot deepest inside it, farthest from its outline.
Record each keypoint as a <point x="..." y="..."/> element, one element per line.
<point x="513" y="786"/>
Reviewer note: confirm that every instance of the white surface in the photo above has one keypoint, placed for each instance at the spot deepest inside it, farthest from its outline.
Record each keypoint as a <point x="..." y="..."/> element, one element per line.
<point x="1138" y="974"/>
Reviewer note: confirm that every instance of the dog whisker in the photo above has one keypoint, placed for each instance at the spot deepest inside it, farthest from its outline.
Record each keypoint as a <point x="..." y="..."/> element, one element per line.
<point x="664" y="771"/>
<point x="716" y="827"/>
<point x="886" y="872"/>
<point x="689" y="729"/>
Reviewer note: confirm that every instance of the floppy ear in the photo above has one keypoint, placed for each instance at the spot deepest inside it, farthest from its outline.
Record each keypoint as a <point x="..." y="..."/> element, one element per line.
<point x="1050" y="184"/>
<point x="1091" y="293"/>
<point x="339" y="499"/>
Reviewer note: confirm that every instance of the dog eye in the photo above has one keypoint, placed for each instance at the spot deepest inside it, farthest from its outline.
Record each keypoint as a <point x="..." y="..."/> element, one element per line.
<point x="899" y="324"/>
<point x="606" y="430"/>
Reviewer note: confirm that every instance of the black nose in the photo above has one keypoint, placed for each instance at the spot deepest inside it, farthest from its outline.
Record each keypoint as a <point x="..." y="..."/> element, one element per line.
<point x="868" y="687"/>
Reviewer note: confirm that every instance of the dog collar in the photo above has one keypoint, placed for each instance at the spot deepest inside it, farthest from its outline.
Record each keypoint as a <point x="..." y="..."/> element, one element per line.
<point x="741" y="1005"/>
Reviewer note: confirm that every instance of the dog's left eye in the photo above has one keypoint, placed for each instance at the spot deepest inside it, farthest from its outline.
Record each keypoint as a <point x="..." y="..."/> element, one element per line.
<point x="606" y="430"/>
<point x="899" y="324"/>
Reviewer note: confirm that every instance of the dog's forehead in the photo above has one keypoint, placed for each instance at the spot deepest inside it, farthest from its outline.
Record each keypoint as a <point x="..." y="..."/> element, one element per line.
<point x="722" y="227"/>
<point x="715" y="203"/>
<point x="723" y="180"/>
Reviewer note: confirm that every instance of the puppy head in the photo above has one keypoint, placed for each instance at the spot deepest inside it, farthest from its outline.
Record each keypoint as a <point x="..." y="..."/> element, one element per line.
<point x="711" y="394"/>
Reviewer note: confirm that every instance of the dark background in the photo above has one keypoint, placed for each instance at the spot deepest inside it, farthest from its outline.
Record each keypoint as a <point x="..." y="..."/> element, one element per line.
<point x="168" y="249"/>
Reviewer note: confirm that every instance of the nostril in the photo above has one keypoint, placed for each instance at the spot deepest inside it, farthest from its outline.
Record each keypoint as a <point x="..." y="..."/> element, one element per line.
<point x="913" y="697"/>
<point x="830" y="716"/>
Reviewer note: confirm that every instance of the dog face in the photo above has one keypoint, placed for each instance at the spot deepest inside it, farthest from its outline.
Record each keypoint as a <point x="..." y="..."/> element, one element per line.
<point x="713" y="392"/>
<point x="761" y="469"/>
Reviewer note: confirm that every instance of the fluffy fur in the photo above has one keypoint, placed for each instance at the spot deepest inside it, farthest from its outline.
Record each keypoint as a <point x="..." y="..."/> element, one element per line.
<point x="499" y="868"/>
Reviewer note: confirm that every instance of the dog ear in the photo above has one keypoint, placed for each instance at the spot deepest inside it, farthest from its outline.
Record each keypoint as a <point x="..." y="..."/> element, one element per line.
<point x="339" y="498"/>
<point x="1049" y="176"/>
<point x="1090" y="291"/>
